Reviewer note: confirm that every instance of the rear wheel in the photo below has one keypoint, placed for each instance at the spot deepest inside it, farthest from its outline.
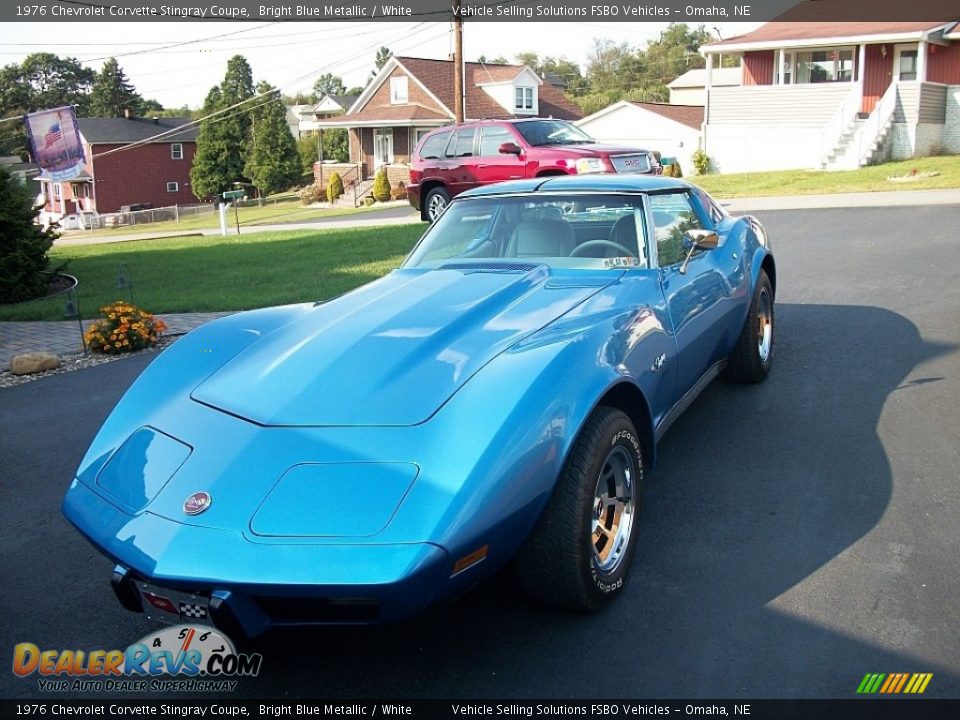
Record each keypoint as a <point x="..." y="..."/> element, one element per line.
<point x="579" y="553"/>
<point x="435" y="203"/>
<point x="751" y="359"/>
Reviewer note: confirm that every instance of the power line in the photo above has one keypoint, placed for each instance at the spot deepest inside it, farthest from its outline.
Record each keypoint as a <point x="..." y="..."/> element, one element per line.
<point x="214" y="116"/>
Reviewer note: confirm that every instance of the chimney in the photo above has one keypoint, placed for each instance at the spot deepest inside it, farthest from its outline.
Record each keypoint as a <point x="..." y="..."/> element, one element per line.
<point x="127" y="113"/>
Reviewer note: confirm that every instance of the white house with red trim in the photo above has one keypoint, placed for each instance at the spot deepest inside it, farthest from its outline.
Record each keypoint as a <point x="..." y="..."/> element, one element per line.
<point x="835" y="95"/>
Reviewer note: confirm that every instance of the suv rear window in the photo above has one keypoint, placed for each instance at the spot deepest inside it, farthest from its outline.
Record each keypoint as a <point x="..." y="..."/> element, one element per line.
<point x="462" y="146"/>
<point x="434" y="146"/>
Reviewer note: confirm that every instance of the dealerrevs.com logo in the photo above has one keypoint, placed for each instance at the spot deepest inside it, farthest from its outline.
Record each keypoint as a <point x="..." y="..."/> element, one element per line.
<point x="186" y="658"/>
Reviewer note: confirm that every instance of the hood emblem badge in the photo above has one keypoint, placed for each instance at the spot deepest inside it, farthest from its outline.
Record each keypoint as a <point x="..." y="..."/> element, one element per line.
<point x="197" y="503"/>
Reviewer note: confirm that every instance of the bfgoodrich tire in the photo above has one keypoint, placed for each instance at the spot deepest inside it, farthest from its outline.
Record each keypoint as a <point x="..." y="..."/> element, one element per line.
<point x="578" y="555"/>
<point x="435" y="203"/>
<point x="751" y="359"/>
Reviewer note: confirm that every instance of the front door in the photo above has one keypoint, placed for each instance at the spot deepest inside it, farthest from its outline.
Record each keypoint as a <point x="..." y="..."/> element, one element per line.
<point x="382" y="147"/>
<point x="905" y="63"/>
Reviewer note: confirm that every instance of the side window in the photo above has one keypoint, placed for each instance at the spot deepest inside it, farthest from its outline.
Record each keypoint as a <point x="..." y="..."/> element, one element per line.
<point x="492" y="137"/>
<point x="462" y="145"/>
<point x="672" y="216"/>
<point x="713" y="211"/>
<point x="434" y="147"/>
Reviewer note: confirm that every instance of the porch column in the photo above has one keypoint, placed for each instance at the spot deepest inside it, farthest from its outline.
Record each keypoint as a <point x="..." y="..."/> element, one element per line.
<point x="707" y="86"/>
<point x="861" y="66"/>
<point x="922" y="61"/>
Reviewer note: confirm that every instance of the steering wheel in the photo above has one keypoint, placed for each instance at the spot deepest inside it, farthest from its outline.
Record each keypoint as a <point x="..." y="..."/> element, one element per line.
<point x="580" y="250"/>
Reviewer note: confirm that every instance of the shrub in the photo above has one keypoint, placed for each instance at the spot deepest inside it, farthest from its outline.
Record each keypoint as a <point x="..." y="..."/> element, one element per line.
<point x="311" y="194"/>
<point x="23" y="243"/>
<point x="334" y="186"/>
<point x="369" y="200"/>
<point x="381" y="187"/>
<point x="701" y="162"/>
<point x="123" y="328"/>
<point x="399" y="192"/>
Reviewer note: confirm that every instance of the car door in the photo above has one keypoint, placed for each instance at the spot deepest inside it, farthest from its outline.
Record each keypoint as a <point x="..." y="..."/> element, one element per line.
<point x="492" y="165"/>
<point x="699" y="299"/>
<point x="458" y="170"/>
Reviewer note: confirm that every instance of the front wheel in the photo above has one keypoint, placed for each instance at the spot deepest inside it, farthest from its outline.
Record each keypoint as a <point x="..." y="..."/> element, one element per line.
<point x="435" y="203"/>
<point x="578" y="555"/>
<point x="751" y="359"/>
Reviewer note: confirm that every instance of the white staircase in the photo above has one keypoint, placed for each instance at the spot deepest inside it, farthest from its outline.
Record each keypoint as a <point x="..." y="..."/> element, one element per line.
<point x="862" y="139"/>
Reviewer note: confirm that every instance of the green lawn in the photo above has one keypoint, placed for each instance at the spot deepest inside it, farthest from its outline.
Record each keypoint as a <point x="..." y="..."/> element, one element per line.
<point x="286" y="209"/>
<point x="814" y="182"/>
<point x="196" y="274"/>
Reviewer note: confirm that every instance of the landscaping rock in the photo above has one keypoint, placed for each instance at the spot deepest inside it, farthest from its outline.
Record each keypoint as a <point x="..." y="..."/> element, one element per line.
<point x="33" y="362"/>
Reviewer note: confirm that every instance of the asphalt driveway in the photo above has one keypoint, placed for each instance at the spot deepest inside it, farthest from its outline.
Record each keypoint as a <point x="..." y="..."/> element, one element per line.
<point x="795" y="536"/>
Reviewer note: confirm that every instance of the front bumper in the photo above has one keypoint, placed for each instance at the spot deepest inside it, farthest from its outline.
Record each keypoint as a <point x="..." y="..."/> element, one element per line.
<point x="255" y="584"/>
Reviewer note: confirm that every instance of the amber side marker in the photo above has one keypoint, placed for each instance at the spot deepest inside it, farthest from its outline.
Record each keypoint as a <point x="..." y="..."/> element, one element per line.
<point x="468" y="561"/>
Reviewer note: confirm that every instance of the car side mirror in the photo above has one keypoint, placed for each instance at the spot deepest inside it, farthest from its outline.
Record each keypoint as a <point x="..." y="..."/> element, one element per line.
<point x="509" y="148"/>
<point x="699" y="238"/>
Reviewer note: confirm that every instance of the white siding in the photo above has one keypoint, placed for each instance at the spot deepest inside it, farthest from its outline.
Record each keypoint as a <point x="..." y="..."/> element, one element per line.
<point x="634" y="126"/>
<point x="951" y="128"/>
<point x="775" y="105"/>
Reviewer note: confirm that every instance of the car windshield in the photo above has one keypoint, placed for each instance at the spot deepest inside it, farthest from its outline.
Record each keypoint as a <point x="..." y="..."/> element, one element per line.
<point x="562" y="231"/>
<point x="552" y="132"/>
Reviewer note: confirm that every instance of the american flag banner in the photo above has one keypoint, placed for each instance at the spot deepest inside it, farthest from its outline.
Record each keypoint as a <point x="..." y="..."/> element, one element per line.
<point x="55" y="143"/>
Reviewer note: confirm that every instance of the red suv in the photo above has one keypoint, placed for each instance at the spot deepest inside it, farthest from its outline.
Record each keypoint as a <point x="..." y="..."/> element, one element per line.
<point x="456" y="158"/>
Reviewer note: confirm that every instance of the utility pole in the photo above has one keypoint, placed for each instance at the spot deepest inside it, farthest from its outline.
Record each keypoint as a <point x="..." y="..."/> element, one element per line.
<point x="458" y="110"/>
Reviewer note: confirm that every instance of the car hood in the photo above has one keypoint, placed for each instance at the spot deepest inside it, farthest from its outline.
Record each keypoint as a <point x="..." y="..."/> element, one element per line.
<point x="394" y="351"/>
<point x="594" y="149"/>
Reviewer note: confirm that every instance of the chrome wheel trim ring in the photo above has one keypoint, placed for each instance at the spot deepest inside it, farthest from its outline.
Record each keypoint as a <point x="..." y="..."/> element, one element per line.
<point x="764" y="325"/>
<point x="612" y="513"/>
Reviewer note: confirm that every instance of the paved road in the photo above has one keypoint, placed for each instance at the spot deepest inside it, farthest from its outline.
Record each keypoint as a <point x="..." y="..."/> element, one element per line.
<point x="795" y="536"/>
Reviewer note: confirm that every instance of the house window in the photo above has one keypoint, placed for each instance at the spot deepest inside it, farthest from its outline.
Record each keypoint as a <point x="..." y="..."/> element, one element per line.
<point x="524" y="99"/>
<point x="785" y="68"/>
<point x="176" y="151"/>
<point x="173" y="187"/>
<point x="822" y="66"/>
<point x="398" y="90"/>
<point x="57" y="191"/>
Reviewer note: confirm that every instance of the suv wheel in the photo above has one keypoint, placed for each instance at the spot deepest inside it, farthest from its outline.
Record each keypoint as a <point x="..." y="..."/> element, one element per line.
<point x="435" y="203"/>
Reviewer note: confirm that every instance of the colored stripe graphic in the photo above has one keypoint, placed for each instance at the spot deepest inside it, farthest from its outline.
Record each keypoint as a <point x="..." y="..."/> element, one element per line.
<point x="894" y="683"/>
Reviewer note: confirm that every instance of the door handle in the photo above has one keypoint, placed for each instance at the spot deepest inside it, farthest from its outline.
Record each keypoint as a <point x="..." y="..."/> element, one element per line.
<point x="481" y="166"/>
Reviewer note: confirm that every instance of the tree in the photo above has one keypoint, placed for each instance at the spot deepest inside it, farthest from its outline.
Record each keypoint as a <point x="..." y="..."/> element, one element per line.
<point x="328" y="84"/>
<point x="383" y="54"/>
<point x="273" y="163"/>
<point x="41" y="81"/>
<point x="224" y="140"/>
<point x="112" y="93"/>
<point x="213" y="169"/>
<point x="23" y="243"/>
<point x="236" y="87"/>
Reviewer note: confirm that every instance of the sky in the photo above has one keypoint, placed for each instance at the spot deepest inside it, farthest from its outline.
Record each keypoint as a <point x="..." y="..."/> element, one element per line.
<point x="293" y="55"/>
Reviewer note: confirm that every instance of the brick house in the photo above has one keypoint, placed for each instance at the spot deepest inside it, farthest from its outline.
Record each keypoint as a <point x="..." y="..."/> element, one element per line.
<point x="835" y="95"/>
<point x="411" y="96"/>
<point x="155" y="173"/>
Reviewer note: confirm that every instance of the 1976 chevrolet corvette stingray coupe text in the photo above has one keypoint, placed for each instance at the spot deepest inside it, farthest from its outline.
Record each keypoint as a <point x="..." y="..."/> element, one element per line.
<point x="498" y="396"/>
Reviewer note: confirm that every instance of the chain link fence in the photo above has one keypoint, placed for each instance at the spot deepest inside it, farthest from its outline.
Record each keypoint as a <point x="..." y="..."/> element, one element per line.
<point x="132" y="218"/>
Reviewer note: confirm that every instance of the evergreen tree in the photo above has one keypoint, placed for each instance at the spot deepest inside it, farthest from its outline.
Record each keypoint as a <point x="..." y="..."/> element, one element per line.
<point x="327" y="84"/>
<point x="112" y="92"/>
<point x="273" y="163"/>
<point x="224" y="140"/>
<point x="211" y="173"/>
<point x="236" y="87"/>
<point x="23" y="243"/>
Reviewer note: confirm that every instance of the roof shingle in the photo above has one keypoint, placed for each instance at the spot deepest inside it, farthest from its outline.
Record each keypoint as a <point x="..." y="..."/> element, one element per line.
<point x="113" y="131"/>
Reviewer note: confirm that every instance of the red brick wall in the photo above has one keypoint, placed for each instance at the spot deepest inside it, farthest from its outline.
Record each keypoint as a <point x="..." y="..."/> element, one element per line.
<point x="140" y="175"/>
<point x="415" y="95"/>
<point x="758" y="67"/>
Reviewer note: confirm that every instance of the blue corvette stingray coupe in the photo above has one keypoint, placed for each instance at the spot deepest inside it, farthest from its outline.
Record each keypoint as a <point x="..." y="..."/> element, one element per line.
<point x="498" y="396"/>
